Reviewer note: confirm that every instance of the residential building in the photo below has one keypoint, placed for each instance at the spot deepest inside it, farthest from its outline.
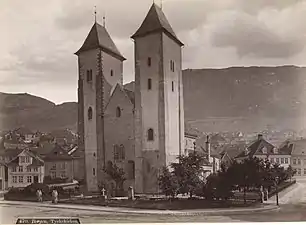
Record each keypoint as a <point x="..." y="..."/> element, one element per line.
<point x="262" y="149"/>
<point x="298" y="156"/>
<point x="230" y="152"/>
<point x="212" y="156"/>
<point x="27" y="135"/>
<point x="190" y="142"/>
<point x="58" y="164"/>
<point x="3" y="177"/>
<point x="78" y="163"/>
<point x="24" y="169"/>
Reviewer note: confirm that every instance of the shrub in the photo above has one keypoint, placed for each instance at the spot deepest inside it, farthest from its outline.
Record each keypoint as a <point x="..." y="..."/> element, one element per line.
<point x="32" y="188"/>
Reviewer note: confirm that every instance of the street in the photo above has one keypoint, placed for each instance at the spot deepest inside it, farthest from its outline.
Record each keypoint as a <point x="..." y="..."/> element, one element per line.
<point x="293" y="208"/>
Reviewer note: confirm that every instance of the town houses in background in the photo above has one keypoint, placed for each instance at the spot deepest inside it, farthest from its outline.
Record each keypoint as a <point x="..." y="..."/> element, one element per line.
<point x="140" y="128"/>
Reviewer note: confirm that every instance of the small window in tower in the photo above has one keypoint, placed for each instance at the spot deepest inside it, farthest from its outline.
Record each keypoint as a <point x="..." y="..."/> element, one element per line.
<point x="149" y="61"/>
<point x="149" y="84"/>
<point x="89" y="113"/>
<point x="172" y="66"/>
<point x="150" y="134"/>
<point x="172" y="86"/>
<point x="118" y="112"/>
<point x="94" y="171"/>
<point x="94" y="154"/>
<point x="89" y="75"/>
<point x="112" y="73"/>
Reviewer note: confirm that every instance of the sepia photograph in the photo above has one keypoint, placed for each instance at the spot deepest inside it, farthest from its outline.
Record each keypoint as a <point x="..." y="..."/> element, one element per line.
<point x="152" y="111"/>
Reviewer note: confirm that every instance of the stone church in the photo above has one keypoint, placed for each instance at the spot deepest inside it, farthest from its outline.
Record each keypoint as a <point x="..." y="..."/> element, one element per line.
<point x="140" y="129"/>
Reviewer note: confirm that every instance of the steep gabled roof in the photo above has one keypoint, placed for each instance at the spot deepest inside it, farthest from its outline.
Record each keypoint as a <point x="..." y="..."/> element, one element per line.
<point x="129" y="94"/>
<point x="36" y="160"/>
<point x="57" y="153"/>
<point x="256" y="148"/>
<point x="156" y="21"/>
<point x="297" y="147"/>
<point x="98" y="37"/>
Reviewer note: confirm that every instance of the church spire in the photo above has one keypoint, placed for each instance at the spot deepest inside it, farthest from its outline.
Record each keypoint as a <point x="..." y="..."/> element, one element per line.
<point x="156" y="21"/>
<point x="98" y="37"/>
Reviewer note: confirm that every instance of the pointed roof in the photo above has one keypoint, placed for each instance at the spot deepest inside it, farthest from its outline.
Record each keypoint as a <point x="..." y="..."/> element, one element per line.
<point x="156" y="21"/>
<point x="98" y="37"/>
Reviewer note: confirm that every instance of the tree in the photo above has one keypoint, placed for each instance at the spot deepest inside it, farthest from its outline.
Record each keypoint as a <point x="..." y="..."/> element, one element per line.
<point x="290" y="172"/>
<point x="168" y="183"/>
<point x="115" y="174"/>
<point x="186" y="175"/>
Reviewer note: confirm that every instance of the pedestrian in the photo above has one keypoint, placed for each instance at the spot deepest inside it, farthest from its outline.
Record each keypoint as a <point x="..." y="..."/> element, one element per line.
<point x="54" y="196"/>
<point x="40" y="195"/>
<point x="37" y="195"/>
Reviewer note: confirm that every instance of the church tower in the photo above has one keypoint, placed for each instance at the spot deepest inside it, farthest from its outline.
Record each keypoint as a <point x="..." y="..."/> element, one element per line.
<point x="100" y="69"/>
<point x="159" y="111"/>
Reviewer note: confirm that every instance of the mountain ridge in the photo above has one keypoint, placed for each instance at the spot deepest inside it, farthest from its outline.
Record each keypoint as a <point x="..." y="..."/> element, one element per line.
<point x="248" y="98"/>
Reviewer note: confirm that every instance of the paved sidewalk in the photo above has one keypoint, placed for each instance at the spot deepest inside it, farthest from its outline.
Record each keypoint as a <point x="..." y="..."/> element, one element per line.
<point x="293" y="194"/>
<point x="228" y="211"/>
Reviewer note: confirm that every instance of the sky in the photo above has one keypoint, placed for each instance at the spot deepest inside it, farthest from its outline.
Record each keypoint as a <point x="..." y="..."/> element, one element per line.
<point x="39" y="38"/>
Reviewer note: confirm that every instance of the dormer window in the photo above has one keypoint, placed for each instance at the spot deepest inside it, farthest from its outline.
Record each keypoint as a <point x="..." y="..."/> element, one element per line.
<point x="149" y="62"/>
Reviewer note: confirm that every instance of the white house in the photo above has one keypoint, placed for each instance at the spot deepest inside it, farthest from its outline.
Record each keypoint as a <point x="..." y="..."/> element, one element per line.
<point x="262" y="149"/>
<point x="298" y="156"/>
<point x="26" y="168"/>
<point x="3" y="183"/>
<point x="190" y="140"/>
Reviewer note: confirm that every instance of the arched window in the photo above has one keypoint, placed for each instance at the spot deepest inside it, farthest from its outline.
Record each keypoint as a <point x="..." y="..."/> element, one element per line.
<point x="149" y="61"/>
<point x="112" y="73"/>
<point x="150" y="134"/>
<point x="172" y="86"/>
<point x="122" y="152"/>
<point x="149" y="84"/>
<point x="118" y="112"/>
<point x="131" y="169"/>
<point x="89" y="113"/>
<point x="94" y="171"/>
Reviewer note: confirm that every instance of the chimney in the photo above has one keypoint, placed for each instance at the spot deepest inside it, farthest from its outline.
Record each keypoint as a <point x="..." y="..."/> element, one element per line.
<point x="207" y="147"/>
<point x="260" y="137"/>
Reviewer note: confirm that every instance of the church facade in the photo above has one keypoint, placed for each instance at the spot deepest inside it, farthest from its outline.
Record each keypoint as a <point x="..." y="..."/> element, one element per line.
<point x="140" y="129"/>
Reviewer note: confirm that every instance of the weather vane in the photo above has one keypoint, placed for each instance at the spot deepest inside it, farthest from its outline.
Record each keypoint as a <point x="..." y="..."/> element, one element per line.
<point x="104" y="18"/>
<point x="95" y="14"/>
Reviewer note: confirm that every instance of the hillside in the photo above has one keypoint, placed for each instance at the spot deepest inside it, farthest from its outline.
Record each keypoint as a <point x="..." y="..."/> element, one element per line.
<point x="237" y="98"/>
<point x="245" y="98"/>
<point x="35" y="113"/>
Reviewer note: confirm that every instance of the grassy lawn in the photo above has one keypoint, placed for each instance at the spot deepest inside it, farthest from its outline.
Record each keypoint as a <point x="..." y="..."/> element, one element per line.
<point x="176" y="204"/>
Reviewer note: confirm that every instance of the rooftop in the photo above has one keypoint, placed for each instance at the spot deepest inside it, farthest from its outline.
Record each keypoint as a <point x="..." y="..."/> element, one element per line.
<point x="156" y="21"/>
<point x="98" y="37"/>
